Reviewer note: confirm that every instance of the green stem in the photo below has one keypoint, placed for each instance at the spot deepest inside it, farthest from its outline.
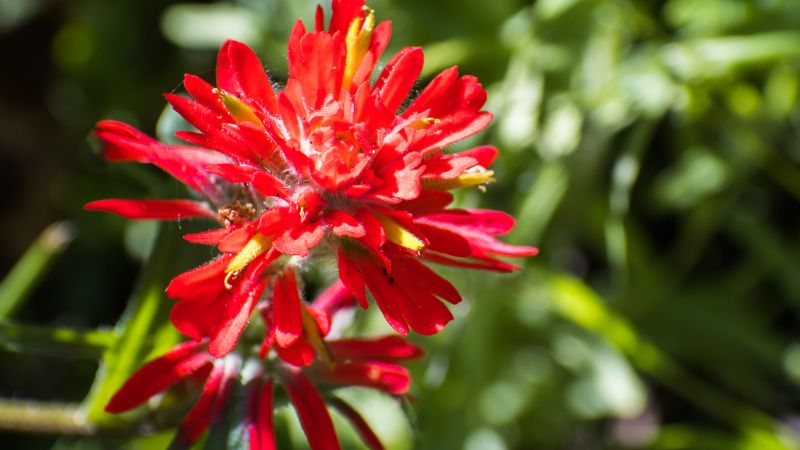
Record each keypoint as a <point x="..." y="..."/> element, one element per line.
<point x="40" y="417"/>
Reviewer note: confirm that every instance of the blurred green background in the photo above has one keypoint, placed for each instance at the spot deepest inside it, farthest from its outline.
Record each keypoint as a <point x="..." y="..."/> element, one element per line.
<point x="651" y="149"/>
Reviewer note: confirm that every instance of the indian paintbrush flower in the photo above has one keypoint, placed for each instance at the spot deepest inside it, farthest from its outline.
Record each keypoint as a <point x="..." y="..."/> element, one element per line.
<point x="331" y="164"/>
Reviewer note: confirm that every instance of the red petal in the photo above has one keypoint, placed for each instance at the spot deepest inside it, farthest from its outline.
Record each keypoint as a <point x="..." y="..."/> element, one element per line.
<point x="451" y="130"/>
<point x="197" y="317"/>
<point x="482" y="264"/>
<point x="316" y="60"/>
<point x="351" y="276"/>
<point x="204" y="280"/>
<point x="236" y="240"/>
<point x="202" y="117"/>
<point x="343" y="224"/>
<point x="336" y="297"/>
<point x="234" y="173"/>
<point x="319" y="19"/>
<point x="321" y="318"/>
<point x="259" y="425"/>
<point x="287" y="313"/>
<point x="243" y="300"/>
<point x="399" y="76"/>
<point x="390" y="299"/>
<point x="362" y="427"/>
<point x="484" y="220"/>
<point x="272" y="221"/>
<point x="152" y="209"/>
<point x="124" y="143"/>
<point x="445" y="241"/>
<point x="158" y="375"/>
<point x="311" y="411"/>
<point x="300" y="353"/>
<point x="299" y="240"/>
<point x="437" y="89"/>
<point x="388" y="348"/>
<point x="376" y="235"/>
<point x="344" y="11"/>
<point x="383" y="376"/>
<point x="210" y="237"/>
<point x="424" y="313"/>
<point x="269" y="186"/>
<point x="485" y="154"/>
<point x="205" y="94"/>
<point x="428" y="202"/>
<point x="447" y="95"/>
<point x="448" y="167"/>
<point x="202" y="412"/>
<point x="410" y="272"/>
<point x="239" y="71"/>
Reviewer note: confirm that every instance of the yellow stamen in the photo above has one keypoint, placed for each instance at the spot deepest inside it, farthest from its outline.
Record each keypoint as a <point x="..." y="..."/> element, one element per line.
<point x="315" y="339"/>
<point x="257" y="245"/>
<point x="359" y="36"/>
<point x="238" y="109"/>
<point x="228" y="277"/>
<point x="423" y="123"/>
<point x="478" y="178"/>
<point x="397" y="234"/>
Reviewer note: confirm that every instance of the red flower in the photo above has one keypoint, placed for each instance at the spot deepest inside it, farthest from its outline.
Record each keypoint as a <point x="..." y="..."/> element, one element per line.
<point x="331" y="163"/>
<point x="368" y="363"/>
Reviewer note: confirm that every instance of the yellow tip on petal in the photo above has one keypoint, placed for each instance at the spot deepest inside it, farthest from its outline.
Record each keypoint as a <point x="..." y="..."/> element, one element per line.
<point x="315" y="339"/>
<point x="397" y="234"/>
<point x="359" y="36"/>
<point x="238" y="109"/>
<point x="423" y="123"/>
<point x="478" y="178"/>
<point x="254" y="247"/>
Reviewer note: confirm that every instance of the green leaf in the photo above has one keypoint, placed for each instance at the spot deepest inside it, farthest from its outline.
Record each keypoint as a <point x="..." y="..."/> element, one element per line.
<point x="33" y="265"/>
<point x="55" y="341"/>
<point x="146" y="318"/>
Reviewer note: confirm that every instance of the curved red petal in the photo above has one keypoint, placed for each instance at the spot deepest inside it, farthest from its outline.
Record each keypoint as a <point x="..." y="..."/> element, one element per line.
<point x="362" y="427"/>
<point x="387" y="348"/>
<point x="198" y="418"/>
<point x="336" y="297"/>
<point x="351" y="276"/>
<point x="344" y="224"/>
<point x="399" y="76"/>
<point x="343" y="12"/>
<point x="378" y="375"/>
<point x="287" y="314"/>
<point x="259" y="425"/>
<point x="158" y="375"/>
<point x="240" y="72"/>
<point x="210" y="237"/>
<point x="152" y="209"/>
<point x="311" y="411"/>
<point x="203" y="281"/>
<point x="246" y="293"/>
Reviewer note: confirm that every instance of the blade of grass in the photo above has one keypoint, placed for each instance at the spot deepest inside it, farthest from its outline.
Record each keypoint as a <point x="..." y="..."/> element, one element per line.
<point x="32" y="266"/>
<point x="579" y="304"/>
<point x="147" y="312"/>
<point x="55" y="341"/>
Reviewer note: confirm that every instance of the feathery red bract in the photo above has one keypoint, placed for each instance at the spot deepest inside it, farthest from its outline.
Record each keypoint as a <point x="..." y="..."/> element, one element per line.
<point x="332" y="164"/>
<point x="330" y="157"/>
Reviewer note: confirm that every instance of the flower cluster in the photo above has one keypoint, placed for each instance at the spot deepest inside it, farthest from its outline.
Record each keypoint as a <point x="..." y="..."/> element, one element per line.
<point x="333" y="164"/>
